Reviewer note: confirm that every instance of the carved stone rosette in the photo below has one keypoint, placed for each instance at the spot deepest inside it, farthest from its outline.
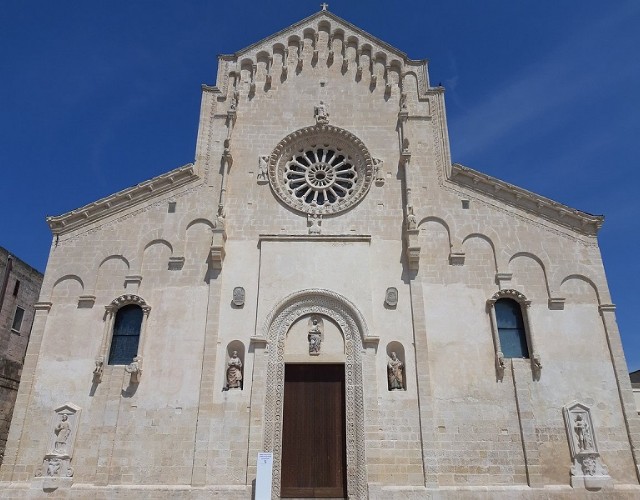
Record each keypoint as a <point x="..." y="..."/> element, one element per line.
<point x="587" y="470"/>
<point x="321" y="170"/>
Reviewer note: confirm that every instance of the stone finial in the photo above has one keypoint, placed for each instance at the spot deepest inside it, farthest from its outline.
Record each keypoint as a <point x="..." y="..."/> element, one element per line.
<point x="324" y="6"/>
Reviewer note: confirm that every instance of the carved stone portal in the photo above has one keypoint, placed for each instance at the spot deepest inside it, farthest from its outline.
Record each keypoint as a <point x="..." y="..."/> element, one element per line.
<point x="587" y="470"/>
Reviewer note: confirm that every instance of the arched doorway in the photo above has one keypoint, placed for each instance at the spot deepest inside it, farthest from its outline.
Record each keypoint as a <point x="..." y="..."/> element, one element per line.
<point x="351" y="324"/>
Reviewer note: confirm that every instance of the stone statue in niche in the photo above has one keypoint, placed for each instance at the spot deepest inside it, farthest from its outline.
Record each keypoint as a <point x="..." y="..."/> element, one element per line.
<point x="263" y="165"/>
<point x="316" y="331"/>
<point x="135" y="369"/>
<point x="587" y="470"/>
<point x="234" y="372"/>
<point x="62" y="432"/>
<point x="56" y="465"/>
<point x="395" y="373"/>
<point x="321" y="113"/>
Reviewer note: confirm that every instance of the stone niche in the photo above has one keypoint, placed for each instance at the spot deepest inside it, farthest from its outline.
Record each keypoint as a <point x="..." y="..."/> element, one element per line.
<point x="587" y="470"/>
<point x="306" y="332"/>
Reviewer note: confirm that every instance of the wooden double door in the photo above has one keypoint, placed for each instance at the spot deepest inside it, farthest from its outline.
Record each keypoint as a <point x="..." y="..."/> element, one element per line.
<point x="314" y="462"/>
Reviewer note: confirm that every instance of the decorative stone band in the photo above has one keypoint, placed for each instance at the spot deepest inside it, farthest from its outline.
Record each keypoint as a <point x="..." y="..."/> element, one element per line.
<point x="321" y="169"/>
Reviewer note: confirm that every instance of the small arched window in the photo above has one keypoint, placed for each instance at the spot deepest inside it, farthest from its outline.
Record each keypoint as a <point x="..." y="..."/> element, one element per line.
<point x="511" y="328"/>
<point x="513" y="336"/>
<point x="126" y="335"/>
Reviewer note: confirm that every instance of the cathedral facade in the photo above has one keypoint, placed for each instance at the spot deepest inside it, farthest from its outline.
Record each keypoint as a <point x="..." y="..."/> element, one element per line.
<point x="325" y="289"/>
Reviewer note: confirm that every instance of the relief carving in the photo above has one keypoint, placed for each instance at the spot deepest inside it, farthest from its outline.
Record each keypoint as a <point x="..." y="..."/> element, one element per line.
<point x="238" y="296"/>
<point x="391" y="297"/>
<point x="263" y="166"/>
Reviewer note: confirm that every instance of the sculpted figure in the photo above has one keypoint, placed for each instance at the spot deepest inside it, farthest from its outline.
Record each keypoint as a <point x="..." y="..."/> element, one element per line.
<point x="99" y="368"/>
<point x="583" y="433"/>
<point x="262" y="168"/>
<point x="412" y="222"/>
<point x="403" y="101"/>
<point x="135" y="369"/>
<point x="322" y="115"/>
<point x="62" y="432"/>
<point x="234" y="372"/>
<point x="395" y="369"/>
<point x="315" y="336"/>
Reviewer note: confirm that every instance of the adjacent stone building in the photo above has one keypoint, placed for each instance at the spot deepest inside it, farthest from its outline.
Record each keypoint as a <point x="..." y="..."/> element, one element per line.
<point x="19" y="290"/>
<point x="325" y="285"/>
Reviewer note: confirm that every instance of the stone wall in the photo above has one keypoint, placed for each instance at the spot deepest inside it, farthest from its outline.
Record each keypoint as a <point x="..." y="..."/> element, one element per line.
<point x="20" y="286"/>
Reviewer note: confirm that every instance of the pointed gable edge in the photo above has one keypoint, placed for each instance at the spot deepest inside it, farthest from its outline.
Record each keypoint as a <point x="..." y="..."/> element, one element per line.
<point x="330" y="15"/>
<point x="122" y="199"/>
<point x="533" y="203"/>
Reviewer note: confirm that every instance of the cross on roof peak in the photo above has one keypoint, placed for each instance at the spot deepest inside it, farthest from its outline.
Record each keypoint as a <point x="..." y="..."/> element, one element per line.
<point x="324" y="5"/>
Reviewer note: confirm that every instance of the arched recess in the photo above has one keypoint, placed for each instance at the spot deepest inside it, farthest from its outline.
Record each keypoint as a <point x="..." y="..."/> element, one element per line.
<point x="531" y="274"/>
<point x="435" y="240"/>
<point x="579" y="289"/>
<point x="111" y="274"/>
<point x="355" y="332"/>
<point x="480" y="259"/>
<point x="67" y="289"/>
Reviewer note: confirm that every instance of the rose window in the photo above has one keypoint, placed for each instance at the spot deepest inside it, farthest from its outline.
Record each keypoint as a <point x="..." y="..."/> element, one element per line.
<point x="320" y="176"/>
<point x="320" y="170"/>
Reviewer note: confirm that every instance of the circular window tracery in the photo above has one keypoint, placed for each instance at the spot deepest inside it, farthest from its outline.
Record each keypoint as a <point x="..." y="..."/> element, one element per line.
<point x="320" y="176"/>
<point x="321" y="169"/>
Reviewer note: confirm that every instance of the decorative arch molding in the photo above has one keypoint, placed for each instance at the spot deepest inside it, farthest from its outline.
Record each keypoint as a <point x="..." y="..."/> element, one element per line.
<point x="126" y="299"/>
<point x="355" y="332"/>
<point x="509" y="294"/>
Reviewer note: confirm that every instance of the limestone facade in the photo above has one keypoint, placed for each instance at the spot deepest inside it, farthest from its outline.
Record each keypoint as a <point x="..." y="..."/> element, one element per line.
<point x="323" y="188"/>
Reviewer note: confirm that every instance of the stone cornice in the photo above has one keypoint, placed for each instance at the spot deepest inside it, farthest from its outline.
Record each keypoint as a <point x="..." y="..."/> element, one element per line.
<point x="535" y="204"/>
<point x="122" y="199"/>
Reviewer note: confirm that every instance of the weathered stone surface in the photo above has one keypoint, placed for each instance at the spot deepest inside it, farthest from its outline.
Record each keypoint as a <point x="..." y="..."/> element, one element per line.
<point x="466" y="422"/>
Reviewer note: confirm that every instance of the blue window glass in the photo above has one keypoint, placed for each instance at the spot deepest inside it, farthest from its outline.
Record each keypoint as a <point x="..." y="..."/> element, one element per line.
<point x="126" y="335"/>
<point x="513" y="339"/>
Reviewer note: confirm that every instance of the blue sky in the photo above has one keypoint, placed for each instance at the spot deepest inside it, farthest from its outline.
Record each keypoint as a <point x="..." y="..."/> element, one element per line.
<point x="98" y="96"/>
